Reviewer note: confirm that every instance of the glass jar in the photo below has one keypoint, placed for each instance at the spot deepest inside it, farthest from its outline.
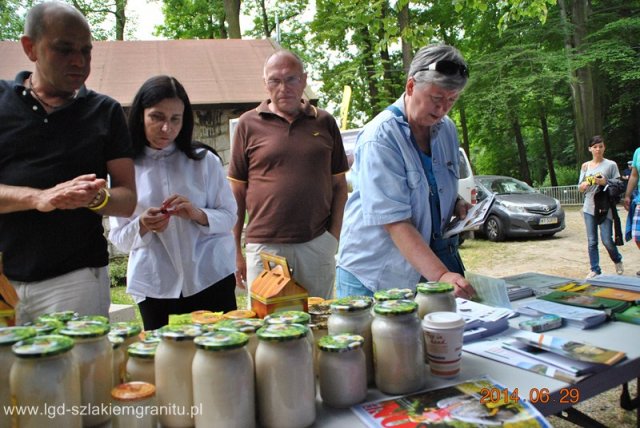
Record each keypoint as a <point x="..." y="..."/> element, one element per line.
<point x="318" y="330"/>
<point x="353" y="315"/>
<point x="435" y="297"/>
<point x="94" y="356"/>
<point x="285" y="385"/>
<point x="8" y="337"/>
<point x="174" y="385"/>
<point x="248" y="326"/>
<point x="119" y="366"/>
<point x="97" y="318"/>
<point x="343" y="371"/>
<point x="46" y="376"/>
<point x="223" y="381"/>
<point x="129" y="331"/>
<point x="398" y="347"/>
<point x="134" y="405"/>
<point x="393" y="294"/>
<point x="141" y="361"/>
<point x="293" y="317"/>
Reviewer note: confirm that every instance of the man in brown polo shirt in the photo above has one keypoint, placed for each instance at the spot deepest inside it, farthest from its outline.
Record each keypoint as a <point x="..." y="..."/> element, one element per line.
<point x="287" y="171"/>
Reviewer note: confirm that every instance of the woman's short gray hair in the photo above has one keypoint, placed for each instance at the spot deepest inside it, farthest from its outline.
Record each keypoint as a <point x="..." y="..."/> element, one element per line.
<point x="431" y="54"/>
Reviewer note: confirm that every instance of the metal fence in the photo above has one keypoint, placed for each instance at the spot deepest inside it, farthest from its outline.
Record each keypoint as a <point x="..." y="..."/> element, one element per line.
<point x="567" y="195"/>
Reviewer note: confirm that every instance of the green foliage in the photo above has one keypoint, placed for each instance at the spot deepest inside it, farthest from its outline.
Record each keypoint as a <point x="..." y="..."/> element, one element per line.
<point x="193" y="19"/>
<point x="566" y="176"/>
<point x="118" y="271"/>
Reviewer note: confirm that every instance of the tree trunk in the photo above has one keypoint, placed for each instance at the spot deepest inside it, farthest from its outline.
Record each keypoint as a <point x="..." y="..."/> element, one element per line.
<point x="121" y="18"/>
<point x="232" y="15"/>
<point x="525" y="174"/>
<point x="547" y="146"/>
<point x="370" y="68"/>
<point x="407" y="50"/>
<point x="265" y="20"/>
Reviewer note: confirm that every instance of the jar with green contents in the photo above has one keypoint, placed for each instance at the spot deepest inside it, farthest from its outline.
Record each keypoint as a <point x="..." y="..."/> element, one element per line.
<point x="353" y="315"/>
<point x="223" y="381"/>
<point x="94" y="355"/>
<point x="174" y="384"/>
<point x="285" y="385"/>
<point x="435" y="297"/>
<point x="45" y="373"/>
<point x="393" y="294"/>
<point x="8" y="337"/>
<point x="343" y="372"/>
<point x="398" y="347"/>
<point x="141" y="362"/>
<point x="248" y="326"/>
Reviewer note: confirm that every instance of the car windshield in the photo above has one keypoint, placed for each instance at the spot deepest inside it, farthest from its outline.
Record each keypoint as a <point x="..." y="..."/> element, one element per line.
<point x="506" y="185"/>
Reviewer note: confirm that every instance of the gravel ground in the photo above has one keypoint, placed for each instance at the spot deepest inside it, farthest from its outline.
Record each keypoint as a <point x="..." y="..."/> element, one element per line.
<point x="565" y="254"/>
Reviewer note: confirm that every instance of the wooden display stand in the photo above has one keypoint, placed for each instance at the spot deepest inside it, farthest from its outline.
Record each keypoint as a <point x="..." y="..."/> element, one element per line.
<point x="275" y="290"/>
<point x="8" y="300"/>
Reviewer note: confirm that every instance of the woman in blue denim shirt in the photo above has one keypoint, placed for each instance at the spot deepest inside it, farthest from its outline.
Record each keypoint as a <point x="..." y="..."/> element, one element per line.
<point x="405" y="181"/>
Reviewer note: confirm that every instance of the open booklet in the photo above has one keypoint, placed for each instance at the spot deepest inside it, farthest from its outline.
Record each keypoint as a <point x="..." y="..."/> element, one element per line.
<point x="474" y="219"/>
<point x="468" y="403"/>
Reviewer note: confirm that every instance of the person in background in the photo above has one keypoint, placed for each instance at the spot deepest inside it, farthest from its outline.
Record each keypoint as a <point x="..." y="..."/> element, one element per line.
<point x="182" y="253"/>
<point x="627" y="172"/>
<point x="58" y="142"/>
<point x="595" y="173"/>
<point x="405" y="181"/>
<point x="631" y="202"/>
<point x="287" y="172"/>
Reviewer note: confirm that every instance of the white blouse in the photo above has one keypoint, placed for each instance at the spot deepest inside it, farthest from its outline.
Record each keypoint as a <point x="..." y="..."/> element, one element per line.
<point x="187" y="257"/>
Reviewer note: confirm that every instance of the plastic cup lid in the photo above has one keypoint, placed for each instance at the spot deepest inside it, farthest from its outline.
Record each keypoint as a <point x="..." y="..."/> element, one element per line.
<point x="434" y="287"/>
<point x="395" y="307"/>
<point x="442" y="320"/>
<point x="42" y="346"/>
<point x="11" y="335"/>
<point x="288" y="317"/>
<point x="221" y="340"/>
<point x="340" y="342"/>
<point x="393" y="294"/>
<point x="282" y="332"/>
<point x="244" y="325"/>
<point x="352" y="303"/>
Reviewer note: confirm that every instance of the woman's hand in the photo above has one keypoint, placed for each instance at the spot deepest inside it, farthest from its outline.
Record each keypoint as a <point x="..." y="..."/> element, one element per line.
<point x="153" y="220"/>
<point x="183" y="208"/>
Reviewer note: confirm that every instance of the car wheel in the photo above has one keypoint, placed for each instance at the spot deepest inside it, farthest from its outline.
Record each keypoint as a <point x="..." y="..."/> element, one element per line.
<point x="493" y="229"/>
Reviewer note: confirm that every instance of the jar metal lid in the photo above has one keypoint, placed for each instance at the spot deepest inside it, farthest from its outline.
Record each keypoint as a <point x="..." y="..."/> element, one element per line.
<point x="395" y="307"/>
<point x="341" y="342"/>
<point x="393" y="294"/>
<point x="313" y="300"/>
<point x="434" y="287"/>
<point x="221" y="340"/>
<point x="97" y="318"/>
<point x="11" y="335"/>
<point x="85" y="329"/>
<point x="46" y="326"/>
<point x="145" y="349"/>
<point x="63" y="316"/>
<point x="116" y="341"/>
<point x="132" y="391"/>
<point x="42" y="346"/>
<point x="351" y="304"/>
<point x="244" y="325"/>
<point x="239" y="314"/>
<point x="205" y="317"/>
<point x="282" y="332"/>
<point x="126" y="329"/>
<point x="288" y="317"/>
<point x="180" y="332"/>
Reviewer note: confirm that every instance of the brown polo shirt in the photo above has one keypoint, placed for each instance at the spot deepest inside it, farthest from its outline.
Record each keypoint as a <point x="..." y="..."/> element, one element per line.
<point x="288" y="169"/>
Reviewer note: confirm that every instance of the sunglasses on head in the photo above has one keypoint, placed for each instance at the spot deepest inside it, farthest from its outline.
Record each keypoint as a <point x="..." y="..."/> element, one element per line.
<point x="447" y="67"/>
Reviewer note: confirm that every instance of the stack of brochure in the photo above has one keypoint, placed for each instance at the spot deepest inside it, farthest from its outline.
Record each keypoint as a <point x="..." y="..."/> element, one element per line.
<point x="482" y="320"/>
<point x="572" y="315"/>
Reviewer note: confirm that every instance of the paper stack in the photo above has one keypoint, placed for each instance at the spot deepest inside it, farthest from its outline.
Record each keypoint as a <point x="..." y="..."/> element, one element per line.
<point x="572" y="315"/>
<point x="482" y="320"/>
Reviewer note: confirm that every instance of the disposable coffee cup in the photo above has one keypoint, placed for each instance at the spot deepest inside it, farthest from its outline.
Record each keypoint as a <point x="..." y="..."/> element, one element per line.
<point x="443" y="342"/>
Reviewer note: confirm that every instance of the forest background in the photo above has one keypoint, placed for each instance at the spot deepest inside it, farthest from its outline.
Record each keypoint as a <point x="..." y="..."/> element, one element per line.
<point x="545" y="75"/>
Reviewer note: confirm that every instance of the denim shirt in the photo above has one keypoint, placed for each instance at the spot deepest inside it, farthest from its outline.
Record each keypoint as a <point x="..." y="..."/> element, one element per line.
<point x="390" y="185"/>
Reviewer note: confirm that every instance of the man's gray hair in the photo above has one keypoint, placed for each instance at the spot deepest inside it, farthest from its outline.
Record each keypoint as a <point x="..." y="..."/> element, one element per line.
<point x="282" y="52"/>
<point x="431" y="54"/>
<point x="35" y="24"/>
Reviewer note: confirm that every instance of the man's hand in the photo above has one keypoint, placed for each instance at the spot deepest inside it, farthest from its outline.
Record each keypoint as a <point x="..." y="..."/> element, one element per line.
<point x="69" y="195"/>
<point x="241" y="271"/>
<point x="462" y="208"/>
<point x="461" y="287"/>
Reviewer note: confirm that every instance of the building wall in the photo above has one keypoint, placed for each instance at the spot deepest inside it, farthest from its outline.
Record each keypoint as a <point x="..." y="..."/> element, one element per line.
<point x="212" y="128"/>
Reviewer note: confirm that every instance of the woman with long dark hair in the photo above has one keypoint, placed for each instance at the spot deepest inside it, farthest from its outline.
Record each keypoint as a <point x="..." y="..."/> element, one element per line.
<point x="181" y="250"/>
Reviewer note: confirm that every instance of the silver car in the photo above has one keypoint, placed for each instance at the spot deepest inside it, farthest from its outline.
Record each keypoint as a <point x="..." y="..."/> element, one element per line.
<point x="518" y="209"/>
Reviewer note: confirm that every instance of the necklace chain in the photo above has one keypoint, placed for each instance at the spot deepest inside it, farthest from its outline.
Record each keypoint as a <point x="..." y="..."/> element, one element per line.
<point x="43" y="102"/>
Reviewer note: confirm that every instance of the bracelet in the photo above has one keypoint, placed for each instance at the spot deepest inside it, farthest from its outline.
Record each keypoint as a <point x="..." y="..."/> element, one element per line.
<point x="93" y="207"/>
